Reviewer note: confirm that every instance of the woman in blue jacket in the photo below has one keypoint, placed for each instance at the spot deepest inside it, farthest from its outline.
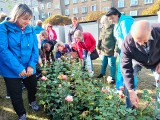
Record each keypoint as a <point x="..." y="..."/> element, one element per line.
<point x="121" y="29"/>
<point x="62" y="49"/>
<point x="18" y="57"/>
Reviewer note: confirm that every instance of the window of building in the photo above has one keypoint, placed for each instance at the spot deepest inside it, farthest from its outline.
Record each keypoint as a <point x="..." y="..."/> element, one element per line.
<point x="106" y="8"/>
<point x="66" y="2"/>
<point x="42" y="6"/>
<point x="84" y="9"/>
<point x="75" y="1"/>
<point x="35" y="3"/>
<point x="120" y="3"/>
<point x="57" y="6"/>
<point x="49" y="14"/>
<point x="134" y="2"/>
<point x="43" y="15"/>
<point x="93" y="8"/>
<point x="83" y="0"/>
<point x="66" y="11"/>
<point x="148" y="1"/>
<point x="49" y="5"/>
<point x="133" y="13"/>
<point x="75" y="10"/>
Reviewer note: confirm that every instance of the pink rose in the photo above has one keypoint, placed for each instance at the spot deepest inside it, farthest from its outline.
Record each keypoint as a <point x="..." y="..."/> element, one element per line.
<point x="69" y="98"/>
<point x="43" y="78"/>
<point x="65" y="77"/>
<point x="122" y="88"/>
<point x="121" y="95"/>
<point x="105" y="90"/>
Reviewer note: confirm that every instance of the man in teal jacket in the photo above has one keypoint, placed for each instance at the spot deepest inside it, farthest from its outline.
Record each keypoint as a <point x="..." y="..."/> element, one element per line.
<point x="121" y="29"/>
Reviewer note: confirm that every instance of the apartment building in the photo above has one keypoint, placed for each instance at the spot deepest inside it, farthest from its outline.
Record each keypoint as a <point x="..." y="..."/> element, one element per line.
<point x="46" y="9"/>
<point x="133" y="7"/>
<point x="80" y="8"/>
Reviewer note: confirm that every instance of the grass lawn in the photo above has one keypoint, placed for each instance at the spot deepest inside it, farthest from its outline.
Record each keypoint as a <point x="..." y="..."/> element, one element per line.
<point x="7" y="113"/>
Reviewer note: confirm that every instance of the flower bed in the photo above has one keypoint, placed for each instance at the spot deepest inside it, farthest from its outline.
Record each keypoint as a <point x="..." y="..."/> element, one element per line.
<point x="68" y="93"/>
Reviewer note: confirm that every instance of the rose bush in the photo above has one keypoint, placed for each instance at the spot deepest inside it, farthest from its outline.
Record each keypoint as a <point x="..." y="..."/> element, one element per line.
<point x="70" y="94"/>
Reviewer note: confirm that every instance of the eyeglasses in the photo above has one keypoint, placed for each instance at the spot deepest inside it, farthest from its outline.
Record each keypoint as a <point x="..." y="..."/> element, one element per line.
<point x="49" y="26"/>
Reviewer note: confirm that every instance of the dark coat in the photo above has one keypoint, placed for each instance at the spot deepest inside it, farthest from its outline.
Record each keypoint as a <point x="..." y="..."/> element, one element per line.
<point x="131" y="50"/>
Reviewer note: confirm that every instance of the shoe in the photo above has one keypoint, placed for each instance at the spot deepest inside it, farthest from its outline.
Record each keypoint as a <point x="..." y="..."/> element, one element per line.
<point x="23" y="117"/>
<point x="8" y="97"/>
<point x="34" y="106"/>
<point x="100" y="76"/>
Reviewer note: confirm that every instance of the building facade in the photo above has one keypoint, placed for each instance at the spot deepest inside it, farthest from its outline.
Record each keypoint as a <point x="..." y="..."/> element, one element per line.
<point x="43" y="9"/>
<point x="80" y="8"/>
<point x="133" y="7"/>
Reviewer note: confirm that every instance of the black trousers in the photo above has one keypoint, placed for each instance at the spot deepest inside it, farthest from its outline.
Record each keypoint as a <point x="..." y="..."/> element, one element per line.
<point x="14" y="87"/>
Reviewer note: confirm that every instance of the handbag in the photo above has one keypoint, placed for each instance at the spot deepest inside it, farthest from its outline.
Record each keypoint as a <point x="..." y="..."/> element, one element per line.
<point x="94" y="55"/>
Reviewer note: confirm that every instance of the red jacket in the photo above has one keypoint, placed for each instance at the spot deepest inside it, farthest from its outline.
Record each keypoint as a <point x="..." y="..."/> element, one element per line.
<point x="88" y="44"/>
<point x="55" y="35"/>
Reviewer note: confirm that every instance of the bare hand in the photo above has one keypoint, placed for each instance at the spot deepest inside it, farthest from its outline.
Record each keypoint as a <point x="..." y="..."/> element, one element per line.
<point x="116" y="54"/>
<point x="99" y="52"/>
<point x="134" y="98"/>
<point x="23" y="73"/>
<point x="29" y="71"/>
<point x="89" y="52"/>
<point x="158" y="68"/>
<point x="69" y="42"/>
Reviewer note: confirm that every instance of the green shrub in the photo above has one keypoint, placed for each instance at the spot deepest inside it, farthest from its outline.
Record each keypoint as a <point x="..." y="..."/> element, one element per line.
<point x="90" y="101"/>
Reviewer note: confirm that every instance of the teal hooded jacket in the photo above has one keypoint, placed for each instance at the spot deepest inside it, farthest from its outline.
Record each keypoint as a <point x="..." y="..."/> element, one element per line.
<point x="122" y="29"/>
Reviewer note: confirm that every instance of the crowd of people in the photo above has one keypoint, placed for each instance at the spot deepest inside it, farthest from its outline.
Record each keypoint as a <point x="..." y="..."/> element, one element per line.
<point x="24" y="47"/>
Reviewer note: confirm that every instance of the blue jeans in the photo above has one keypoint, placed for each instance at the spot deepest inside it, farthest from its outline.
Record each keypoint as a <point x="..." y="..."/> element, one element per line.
<point x="111" y="61"/>
<point x="157" y="107"/>
<point x="119" y="80"/>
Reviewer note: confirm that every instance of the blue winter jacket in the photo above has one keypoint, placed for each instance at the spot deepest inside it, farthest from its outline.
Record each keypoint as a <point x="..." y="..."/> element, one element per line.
<point x="18" y="49"/>
<point x="122" y="29"/>
<point x="38" y="29"/>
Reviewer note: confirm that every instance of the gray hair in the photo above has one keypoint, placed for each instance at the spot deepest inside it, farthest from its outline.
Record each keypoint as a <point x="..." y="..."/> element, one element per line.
<point x="20" y="10"/>
<point x="78" y="34"/>
<point x="105" y="21"/>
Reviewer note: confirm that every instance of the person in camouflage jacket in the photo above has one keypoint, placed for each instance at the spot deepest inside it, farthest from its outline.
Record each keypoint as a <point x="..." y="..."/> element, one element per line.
<point x="107" y="48"/>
